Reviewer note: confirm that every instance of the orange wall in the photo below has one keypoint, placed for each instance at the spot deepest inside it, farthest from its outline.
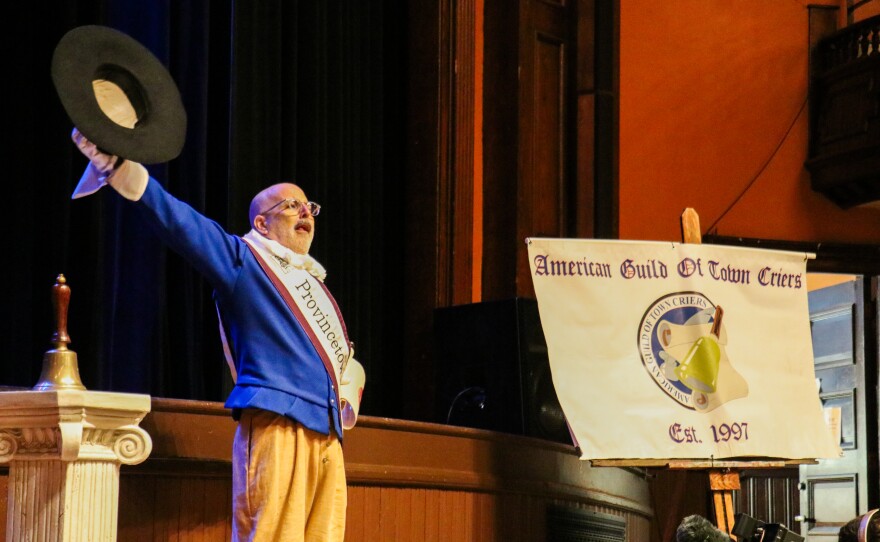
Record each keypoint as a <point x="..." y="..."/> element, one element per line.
<point x="713" y="97"/>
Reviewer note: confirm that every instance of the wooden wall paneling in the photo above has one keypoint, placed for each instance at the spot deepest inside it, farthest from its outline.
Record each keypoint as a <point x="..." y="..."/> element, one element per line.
<point x="407" y="481"/>
<point x="424" y="240"/>
<point x="137" y="500"/>
<point x="358" y="524"/>
<point x="400" y="516"/>
<point x="585" y="199"/>
<point x="501" y="101"/>
<point x="761" y="497"/>
<point x="440" y="168"/>
<point x="218" y="500"/>
<point x="167" y="508"/>
<point x="450" y="516"/>
<point x="544" y="126"/>
<point x="535" y="515"/>
<point x="418" y="516"/>
<point x="478" y="211"/>
<point x="541" y="108"/>
<point x="440" y="500"/>
<point x="546" y="205"/>
<point x="164" y="508"/>
<point x="355" y="518"/>
<point x="455" y="180"/>
<point x="432" y="517"/>
<point x="607" y="117"/>
<point x="466" y="512"/>
<point x="372" y="514"/>
<point x="187" y="510"/>
<point x="585" y="39"/>
<point x="780" y="504"/>
<point x="205" y="505"/>
<point x="192" y="513"/>
<point x="585" y="138"/>
<point x="469" y="520"/>
<point x="387" y="514"/>
<point x="443" y="183"/>
<point x="462" y="132"/>
<point x="788" y="497"/>
<point x="487" y="512"/>
<point x="770" y="495"/>
<point x="550" y="104"/>
<point x="511" y="508"/>
<point x="676" y="494"/>
<point x="637" y="528"/>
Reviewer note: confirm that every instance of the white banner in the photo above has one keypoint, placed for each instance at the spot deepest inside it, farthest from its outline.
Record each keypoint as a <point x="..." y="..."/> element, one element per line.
<point x="668" y="350"/>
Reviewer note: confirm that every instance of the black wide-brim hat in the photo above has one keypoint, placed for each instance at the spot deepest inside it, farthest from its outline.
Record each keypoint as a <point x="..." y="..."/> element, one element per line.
<point x="90" y="53"/>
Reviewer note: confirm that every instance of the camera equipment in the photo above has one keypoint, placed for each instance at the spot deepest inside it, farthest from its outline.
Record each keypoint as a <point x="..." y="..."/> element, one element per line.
<point x="749" y="529"/>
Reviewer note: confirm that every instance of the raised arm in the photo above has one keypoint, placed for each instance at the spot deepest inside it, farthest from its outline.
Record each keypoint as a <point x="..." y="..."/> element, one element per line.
<point x="199" y="240"/>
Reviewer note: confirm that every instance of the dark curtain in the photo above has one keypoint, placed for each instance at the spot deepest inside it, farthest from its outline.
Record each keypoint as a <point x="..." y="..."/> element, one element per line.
<point x="307" y="92"/>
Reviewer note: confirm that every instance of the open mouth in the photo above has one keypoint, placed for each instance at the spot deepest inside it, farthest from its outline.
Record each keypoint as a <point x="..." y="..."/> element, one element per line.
<point x="303" y="226"/>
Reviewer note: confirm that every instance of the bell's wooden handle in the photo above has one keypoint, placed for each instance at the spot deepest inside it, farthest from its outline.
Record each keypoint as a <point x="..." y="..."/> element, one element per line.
<point x="60" y="302"/>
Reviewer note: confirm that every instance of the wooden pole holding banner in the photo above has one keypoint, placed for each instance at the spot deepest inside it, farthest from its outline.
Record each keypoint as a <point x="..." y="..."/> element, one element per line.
<point x="690" y="227"/>
<point x="722" y="482"/>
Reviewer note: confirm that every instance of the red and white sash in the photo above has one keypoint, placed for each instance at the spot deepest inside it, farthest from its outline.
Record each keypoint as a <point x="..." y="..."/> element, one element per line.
<point x="299" y="280"/>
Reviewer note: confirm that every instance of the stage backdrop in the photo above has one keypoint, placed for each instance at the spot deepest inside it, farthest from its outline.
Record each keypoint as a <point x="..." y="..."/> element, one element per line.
<point x="667" y="350"/>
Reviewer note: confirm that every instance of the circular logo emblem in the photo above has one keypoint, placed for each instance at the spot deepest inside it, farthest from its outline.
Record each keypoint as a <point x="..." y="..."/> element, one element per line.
<point x="664" y="326"/>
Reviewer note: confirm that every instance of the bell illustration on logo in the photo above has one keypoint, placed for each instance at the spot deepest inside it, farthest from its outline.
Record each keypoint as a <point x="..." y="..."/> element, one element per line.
<point x="694" y="356"/>
<point x="699" y="368"/>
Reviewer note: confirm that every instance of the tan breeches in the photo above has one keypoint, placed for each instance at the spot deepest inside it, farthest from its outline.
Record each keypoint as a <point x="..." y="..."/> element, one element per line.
<point x="288" y="482"/>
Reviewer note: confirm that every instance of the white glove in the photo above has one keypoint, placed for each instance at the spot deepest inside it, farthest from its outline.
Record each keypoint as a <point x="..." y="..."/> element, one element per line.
<point x="126" y="177"/>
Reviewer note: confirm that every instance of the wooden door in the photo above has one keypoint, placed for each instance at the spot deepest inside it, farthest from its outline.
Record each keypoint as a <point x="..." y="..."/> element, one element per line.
<point x="836" y="490"/>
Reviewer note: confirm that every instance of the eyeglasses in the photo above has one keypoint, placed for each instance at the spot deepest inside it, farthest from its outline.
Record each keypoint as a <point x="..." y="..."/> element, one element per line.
<point x="296" y="206"/>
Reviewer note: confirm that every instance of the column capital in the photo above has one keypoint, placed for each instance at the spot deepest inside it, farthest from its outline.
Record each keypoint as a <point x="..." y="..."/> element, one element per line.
<point x="73" y="425"/>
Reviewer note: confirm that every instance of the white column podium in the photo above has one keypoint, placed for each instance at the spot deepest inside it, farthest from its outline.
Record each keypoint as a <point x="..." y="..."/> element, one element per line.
<point x="64" y="448"/>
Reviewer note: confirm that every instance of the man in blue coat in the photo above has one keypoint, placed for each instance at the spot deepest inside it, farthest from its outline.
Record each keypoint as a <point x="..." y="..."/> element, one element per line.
<point x="285" y="341"/>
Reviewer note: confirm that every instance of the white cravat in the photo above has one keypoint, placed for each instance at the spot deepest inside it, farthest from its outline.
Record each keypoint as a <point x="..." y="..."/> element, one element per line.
<point x="299" y="261"/>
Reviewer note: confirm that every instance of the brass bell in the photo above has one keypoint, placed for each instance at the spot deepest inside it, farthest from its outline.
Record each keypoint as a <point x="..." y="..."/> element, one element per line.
<point x="60" y="369"/>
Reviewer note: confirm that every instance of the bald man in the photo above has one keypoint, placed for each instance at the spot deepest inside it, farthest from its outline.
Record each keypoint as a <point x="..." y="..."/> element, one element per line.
<point x="285" y="342"/>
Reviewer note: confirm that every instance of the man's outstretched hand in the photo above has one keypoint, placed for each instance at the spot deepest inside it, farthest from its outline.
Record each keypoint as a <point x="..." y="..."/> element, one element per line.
<point x="126" y="177"/>
<point x="103" y="162"/>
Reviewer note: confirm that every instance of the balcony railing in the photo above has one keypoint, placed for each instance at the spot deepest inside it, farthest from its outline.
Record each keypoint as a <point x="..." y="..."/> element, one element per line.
<point x="844" y="156"/>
